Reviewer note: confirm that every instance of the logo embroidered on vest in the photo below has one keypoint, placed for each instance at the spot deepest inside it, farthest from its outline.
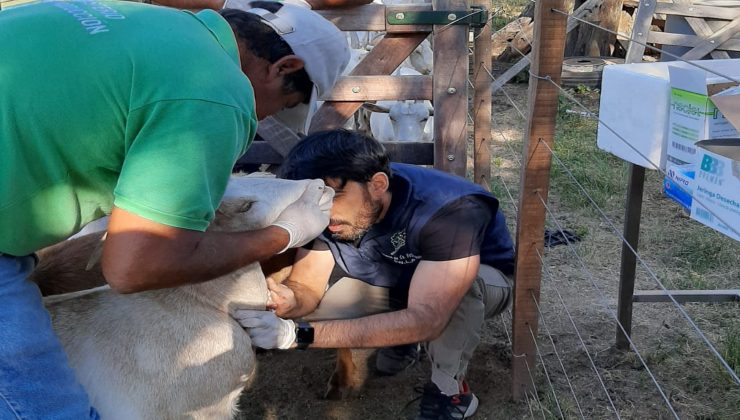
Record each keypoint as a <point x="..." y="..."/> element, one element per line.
<point x="398" y="241"/>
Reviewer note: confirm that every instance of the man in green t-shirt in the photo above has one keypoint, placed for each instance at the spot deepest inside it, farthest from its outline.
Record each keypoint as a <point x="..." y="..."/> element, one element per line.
<point x="139" y="112"/>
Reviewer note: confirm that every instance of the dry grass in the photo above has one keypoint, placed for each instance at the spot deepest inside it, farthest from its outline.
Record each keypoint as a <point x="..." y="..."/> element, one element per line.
<point x="680" y="252"/>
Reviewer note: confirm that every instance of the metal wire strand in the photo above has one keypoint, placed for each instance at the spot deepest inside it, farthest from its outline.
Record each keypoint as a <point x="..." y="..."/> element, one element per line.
<point x="656" y="166"/>
<point x="661" y="51"/>
<point x="506" y="330"/>
<point x="606" y="305"/>
<point x="713" y="350"/>
<point x="506" y="93"/>
<point x="552" y="342"/>
<point x="544" y="368"/>
<point x="529" y="404"/>
<point x="652" y="274"/>
<point x="580" y="338"/>
<point x="446" y="26"/>
<point x="593" y="115"/>
<point x="536" y="393"/>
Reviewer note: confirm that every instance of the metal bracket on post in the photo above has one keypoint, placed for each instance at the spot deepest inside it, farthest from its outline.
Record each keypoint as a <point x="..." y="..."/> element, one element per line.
<point x="476" y="17"/>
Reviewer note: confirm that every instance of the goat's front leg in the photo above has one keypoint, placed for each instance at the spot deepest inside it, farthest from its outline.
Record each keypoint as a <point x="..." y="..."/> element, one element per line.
<point x="342" y="383"/>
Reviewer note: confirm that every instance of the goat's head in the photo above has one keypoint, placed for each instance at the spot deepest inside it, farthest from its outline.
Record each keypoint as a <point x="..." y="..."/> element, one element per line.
<point x="408" y="118"/>
<point x="252" y="202"/>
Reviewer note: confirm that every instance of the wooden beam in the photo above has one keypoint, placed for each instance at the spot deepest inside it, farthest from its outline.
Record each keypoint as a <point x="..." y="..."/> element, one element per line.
<point x="381" y="60"/>
<point x="450" y="92"/>
<point x="694" y="10"/>
<point x="549" y="44"/>
<point x="683" y="296"/>
<point x="640" y="31"/>
<point x="372" y="17"/>
<point x="482" y="101"/>
<point x="416" y="153"/>
<point x="665" y="38"/>
<point x="713" y="41"/>
<point x="377" y="88"/>
<point x="701" y="28"/>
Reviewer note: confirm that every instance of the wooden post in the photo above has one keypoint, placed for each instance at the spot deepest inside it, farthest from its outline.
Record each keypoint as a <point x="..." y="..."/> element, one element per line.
<point x="632" y="212"/>
<point x="633" y="204"/>
<point x="482" y="102"/>
<point x="549" y="43"/>
<point x="450" y="91"/>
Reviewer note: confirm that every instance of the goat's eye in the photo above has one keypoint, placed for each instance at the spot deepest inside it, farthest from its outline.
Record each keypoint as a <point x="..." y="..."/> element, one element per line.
<point x="392" y="118"/>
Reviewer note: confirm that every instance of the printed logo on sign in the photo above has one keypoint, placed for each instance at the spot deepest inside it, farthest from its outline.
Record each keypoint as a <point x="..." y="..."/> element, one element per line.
<point x="711" y="170"/>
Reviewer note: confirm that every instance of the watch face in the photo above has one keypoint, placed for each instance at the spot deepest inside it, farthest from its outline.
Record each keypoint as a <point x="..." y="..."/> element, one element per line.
<point x="304" y="334"/>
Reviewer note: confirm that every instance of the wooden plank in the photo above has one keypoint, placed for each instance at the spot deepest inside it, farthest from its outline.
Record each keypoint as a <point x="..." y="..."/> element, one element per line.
<point x="701" y="28"/>
<point x="640" y="31"/>
<point x="698" y="11"/>
<point x="382" y="60"/>
<point x="665" y="38"/>
<point x="631" y="233"/>
<point x="376" y="88"/>
<point x="715" y="40"/>
<point x="450" y="92"/>
<point x="482" y="101"/>
<point x="416" y="153"/>
<point x="510" y="73"/>
<point x="683" y="296"/>
<point x="549" y="44"/>
<point x="372" y="17"/>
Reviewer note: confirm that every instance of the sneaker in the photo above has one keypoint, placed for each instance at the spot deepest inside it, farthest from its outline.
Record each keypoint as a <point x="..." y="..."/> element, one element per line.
<point x="392" y="360"/>
<point x="437" y="406"/>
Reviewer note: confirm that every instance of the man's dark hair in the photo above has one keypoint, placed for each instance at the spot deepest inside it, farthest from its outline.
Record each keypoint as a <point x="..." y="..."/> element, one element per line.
<point x="265" y="43"/>
<point x="341" y="154"/>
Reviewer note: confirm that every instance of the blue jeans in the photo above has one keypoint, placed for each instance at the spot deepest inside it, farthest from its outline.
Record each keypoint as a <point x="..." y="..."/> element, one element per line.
<point x="36" y="381"/>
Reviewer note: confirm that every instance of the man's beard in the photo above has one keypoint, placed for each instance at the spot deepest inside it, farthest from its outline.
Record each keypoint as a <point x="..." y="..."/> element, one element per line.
<point x="365" y="219"/>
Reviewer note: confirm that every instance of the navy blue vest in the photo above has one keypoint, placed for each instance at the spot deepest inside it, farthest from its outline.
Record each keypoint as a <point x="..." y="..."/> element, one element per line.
<point x="388" y="254"/>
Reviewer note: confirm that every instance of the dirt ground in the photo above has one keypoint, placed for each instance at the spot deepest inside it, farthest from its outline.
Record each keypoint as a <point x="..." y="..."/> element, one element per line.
<point x="289" y="385"/>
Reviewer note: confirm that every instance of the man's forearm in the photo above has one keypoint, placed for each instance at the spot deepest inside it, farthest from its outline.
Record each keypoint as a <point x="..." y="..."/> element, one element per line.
<point x="381" y="330"/>
<point x="174" y="264"/>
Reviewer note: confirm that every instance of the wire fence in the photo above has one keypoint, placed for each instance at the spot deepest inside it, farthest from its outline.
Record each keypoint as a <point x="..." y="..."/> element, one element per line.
<point x="556" y="362"/>
<point x="549" y="283"/>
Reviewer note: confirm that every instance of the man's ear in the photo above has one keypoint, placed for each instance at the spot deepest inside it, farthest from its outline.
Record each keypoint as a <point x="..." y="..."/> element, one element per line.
<point x="378" y="184"/>
<point x="286" y="65"/>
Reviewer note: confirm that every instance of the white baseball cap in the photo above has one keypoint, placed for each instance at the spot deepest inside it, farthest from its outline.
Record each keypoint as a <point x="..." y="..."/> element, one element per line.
<point x="321" y="45"/>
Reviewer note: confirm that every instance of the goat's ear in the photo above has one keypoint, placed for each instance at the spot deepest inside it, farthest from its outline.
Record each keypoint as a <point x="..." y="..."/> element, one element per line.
<point x="375" y="108"/>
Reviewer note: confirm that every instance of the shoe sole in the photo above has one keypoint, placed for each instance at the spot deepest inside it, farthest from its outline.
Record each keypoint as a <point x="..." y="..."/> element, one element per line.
<point x="471" y="408"/>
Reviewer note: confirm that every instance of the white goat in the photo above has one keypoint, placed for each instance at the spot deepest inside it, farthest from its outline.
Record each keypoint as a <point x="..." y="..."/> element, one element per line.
<point x="409" y="120"/>
<point x="173" y="353"/>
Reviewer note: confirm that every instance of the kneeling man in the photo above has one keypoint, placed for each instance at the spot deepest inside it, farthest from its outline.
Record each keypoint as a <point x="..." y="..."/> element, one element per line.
<point x="426" y="256"/>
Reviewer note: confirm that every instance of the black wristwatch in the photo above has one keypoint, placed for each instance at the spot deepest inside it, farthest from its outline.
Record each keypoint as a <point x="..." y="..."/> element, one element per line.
<point x="303" y="335"/>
